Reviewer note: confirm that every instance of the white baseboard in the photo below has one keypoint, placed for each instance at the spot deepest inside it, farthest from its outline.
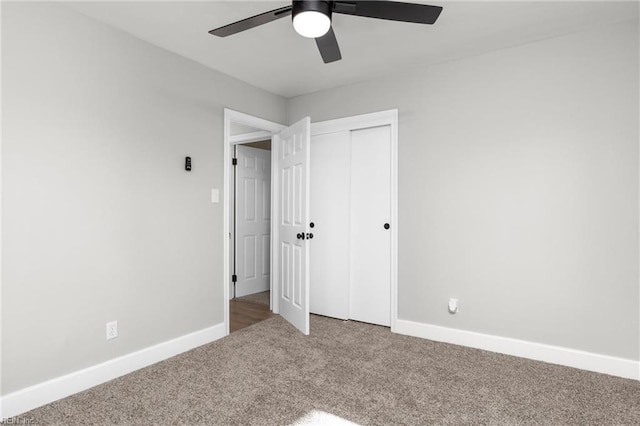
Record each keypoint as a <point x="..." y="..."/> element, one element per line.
<point x="552" y="354"/>
<point x="35" y="396"/>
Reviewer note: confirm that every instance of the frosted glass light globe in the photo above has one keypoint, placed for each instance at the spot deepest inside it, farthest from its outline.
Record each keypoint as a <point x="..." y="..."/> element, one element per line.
<point x="311" y="24"/>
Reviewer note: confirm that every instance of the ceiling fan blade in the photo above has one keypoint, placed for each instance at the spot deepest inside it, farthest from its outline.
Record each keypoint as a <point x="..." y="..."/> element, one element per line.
<point x="390" y="10"/>
<point x="252" y="22"/>
<point x="328" y="46"/>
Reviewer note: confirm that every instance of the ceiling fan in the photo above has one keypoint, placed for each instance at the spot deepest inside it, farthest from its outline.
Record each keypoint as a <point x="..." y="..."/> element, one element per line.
<point x="312" y="19"/>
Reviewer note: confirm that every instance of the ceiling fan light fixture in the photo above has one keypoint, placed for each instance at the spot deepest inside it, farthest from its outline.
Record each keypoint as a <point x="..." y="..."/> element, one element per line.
<point x="311" y="19"/>
<point x="311" y="24"/>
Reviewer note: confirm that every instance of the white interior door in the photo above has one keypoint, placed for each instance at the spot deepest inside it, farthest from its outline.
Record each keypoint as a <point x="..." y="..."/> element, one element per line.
<point x="253" y="220"/>
<point x="291" y="147"/>
<point x="330" y="192"/>
<point x="370" y="241"/>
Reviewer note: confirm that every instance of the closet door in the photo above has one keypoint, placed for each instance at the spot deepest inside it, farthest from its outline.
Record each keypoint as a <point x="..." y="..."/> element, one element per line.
<point x="369" y="238"/>
<point x="329" y="253"/>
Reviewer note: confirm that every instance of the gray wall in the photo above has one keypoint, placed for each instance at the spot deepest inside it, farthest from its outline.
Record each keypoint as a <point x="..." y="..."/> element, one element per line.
<point x="518" y="188"/>
<point x="100" y="221"/>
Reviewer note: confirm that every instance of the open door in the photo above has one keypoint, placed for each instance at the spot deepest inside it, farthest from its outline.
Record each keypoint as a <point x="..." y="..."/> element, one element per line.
<point x="291" y="214"/>
<point x="252" y="220"/>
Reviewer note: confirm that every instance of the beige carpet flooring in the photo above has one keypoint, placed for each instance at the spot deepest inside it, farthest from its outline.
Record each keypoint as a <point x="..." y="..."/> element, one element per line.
<point x="263" y="298"/>
<point x="269" y="374"/>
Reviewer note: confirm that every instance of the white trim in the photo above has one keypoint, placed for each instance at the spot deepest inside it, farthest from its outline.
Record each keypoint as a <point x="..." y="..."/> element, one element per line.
<point x="35" y="396"/>
<point x="266" y="129"/>
<point x="364" y="121"/>
<point x="250" y="137"/>
<point x="620" y="367"/>
<point x="1" y="216"/>
<point x="638" y="259"/>
<point x="275" y="229"/>
<point x="394" y="219"/>
<point x="252" y="121"/>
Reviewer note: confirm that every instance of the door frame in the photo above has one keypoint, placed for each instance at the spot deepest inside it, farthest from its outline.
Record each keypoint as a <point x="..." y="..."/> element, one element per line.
<point x="364" y="121"/>
<point x="267" y="130"/>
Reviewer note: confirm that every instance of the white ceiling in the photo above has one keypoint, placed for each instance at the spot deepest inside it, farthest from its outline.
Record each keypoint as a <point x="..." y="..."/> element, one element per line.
<point x="274" y="57"/>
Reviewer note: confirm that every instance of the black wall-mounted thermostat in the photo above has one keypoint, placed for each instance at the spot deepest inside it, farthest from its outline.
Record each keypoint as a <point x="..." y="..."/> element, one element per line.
<point x="187" y="164"/>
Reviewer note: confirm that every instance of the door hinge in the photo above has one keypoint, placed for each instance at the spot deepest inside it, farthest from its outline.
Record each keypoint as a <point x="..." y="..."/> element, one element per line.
<point x="234" y="161"/>
<point x="234" y="278"/>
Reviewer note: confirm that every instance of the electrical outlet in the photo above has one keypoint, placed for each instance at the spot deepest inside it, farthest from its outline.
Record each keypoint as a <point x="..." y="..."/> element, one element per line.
<point x="112" y="330"/>
<point x="453" y="306"/>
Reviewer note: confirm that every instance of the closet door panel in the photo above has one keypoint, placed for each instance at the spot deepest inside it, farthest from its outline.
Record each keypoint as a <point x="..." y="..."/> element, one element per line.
<point x="329" y="249"/>
<point x="369" y="241"/>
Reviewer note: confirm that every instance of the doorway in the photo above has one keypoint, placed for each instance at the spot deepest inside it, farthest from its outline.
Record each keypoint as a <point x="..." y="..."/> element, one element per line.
<point x="251" y="234"/>
<point x="239" y="129"/>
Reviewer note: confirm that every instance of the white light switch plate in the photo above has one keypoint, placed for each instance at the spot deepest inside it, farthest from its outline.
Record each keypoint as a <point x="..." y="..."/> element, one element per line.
<point x="215" y="195"/>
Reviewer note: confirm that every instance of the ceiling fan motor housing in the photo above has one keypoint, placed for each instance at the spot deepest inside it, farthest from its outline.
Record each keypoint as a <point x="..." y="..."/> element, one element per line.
<point x="299" y="6"/>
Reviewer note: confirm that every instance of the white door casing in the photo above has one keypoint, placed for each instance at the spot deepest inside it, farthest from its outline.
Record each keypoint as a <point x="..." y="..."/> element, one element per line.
<point x="253" y="220"/>
<point x="290" y="251"/>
